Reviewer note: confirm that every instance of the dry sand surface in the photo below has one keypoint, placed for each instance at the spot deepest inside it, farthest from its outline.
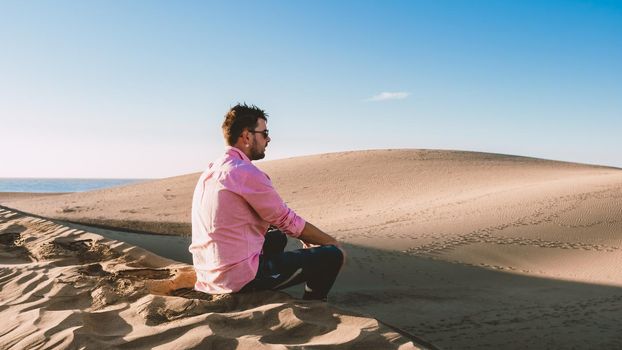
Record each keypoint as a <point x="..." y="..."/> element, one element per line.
<point x="8" y="197"/>
<point x="68" y="288"/>
<point x="466" y="250"/>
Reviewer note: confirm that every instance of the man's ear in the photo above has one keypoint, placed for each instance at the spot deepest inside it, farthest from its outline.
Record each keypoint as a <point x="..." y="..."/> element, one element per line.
<point x="245" y="135"/>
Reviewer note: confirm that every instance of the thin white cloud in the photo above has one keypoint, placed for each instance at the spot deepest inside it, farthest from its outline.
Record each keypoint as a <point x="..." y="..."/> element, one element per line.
<point x="385" y="96"/>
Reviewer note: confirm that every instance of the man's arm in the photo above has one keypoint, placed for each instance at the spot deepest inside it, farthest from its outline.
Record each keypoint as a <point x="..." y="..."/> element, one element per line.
<point x="313" y="235"/>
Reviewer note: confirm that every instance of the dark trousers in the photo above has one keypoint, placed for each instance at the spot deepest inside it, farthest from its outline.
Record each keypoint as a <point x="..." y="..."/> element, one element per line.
<point x="316" y="267"/>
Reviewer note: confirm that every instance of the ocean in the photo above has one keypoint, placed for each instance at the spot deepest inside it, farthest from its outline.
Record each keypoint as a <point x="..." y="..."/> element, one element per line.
<point x="60" y="185"/>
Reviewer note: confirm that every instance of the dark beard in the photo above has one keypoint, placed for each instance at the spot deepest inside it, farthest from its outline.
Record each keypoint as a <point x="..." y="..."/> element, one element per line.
<point x="256" y="155"/>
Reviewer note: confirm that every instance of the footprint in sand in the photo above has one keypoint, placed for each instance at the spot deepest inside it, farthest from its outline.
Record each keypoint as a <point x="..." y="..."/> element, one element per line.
<point x="11" y="240"/>
<point x="69" y="252"/>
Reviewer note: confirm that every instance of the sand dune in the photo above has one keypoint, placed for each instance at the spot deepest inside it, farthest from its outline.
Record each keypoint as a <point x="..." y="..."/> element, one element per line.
<point x="337" y="188"/>
<point x="67" y="288"/>
<point x="465" y="249"/>
<point x="476" y="208"/>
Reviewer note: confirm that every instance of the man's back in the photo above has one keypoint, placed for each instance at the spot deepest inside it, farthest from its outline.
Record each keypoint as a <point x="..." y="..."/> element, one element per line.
<point x="231" y="205"/>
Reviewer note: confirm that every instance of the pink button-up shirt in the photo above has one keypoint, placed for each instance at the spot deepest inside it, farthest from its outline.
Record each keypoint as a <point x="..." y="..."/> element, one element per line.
<point x="234" y="203"/>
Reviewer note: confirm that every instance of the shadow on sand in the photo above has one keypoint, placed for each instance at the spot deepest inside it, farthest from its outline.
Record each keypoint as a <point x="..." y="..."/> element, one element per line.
<point x="457" y="306"/>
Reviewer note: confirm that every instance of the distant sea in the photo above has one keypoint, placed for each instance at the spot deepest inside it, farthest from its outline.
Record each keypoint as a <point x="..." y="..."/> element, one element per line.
<point x="60" y="185"/>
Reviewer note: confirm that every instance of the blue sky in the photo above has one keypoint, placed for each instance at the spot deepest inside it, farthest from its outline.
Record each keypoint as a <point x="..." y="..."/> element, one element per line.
<point x="139" y="88"/>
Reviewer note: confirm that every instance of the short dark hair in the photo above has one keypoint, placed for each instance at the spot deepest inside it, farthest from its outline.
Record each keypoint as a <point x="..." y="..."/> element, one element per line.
<point x="240" y="117"/>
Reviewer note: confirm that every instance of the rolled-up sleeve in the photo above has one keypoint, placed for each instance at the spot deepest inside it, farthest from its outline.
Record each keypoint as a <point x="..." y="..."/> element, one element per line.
<point x="256" y="188"/>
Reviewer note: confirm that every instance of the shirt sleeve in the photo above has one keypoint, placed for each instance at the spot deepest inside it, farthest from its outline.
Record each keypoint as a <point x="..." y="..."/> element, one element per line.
<point x="256" y="188"/>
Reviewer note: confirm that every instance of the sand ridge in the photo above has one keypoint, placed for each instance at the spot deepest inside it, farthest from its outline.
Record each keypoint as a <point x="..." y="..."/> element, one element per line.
<point x="68" y="288"/>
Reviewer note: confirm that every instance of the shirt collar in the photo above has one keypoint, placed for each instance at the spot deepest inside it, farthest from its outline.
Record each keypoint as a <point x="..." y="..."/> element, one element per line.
<point x="234" y="151"/>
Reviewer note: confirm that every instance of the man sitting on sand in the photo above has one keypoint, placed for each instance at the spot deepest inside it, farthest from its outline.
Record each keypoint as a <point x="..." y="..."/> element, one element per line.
<point x="233" y="207"/>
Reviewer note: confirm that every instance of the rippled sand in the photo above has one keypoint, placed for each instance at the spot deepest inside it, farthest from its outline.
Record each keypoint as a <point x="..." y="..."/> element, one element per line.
<point x="64" y="288"/>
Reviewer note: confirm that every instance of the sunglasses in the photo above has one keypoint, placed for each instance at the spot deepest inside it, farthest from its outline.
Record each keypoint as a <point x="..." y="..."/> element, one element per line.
<point x="263" y="132"/>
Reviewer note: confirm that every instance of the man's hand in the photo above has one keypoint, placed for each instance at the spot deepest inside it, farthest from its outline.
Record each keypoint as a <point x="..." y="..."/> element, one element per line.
<point x="312" y="236"/>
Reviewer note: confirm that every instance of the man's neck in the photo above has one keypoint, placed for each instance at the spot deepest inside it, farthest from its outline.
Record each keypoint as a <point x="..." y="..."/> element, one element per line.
<point x="243" y="149"/>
